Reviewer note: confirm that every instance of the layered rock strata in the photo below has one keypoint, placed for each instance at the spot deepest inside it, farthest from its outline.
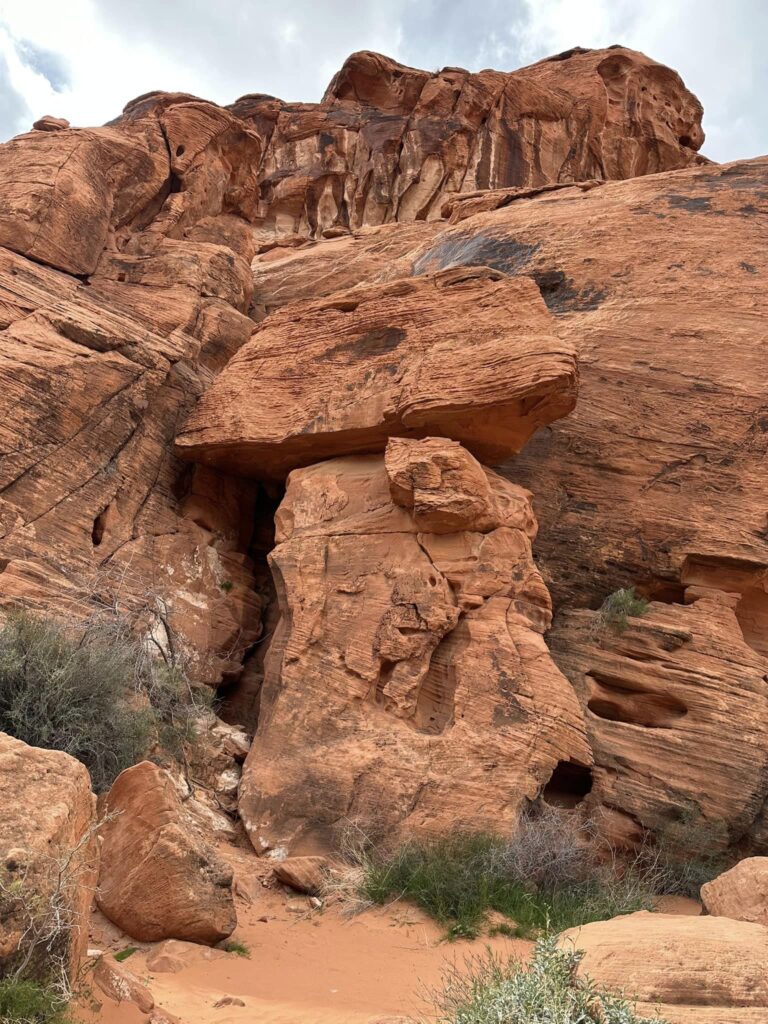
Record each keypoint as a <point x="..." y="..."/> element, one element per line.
<point x="341" y="375"/>
<point x="124" y="285"/>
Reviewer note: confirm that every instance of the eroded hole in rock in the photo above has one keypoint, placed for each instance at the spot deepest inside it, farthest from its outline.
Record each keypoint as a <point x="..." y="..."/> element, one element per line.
<point x="435" y="705"/>
<point x="99" y="526"/>
<point x="664" y="591"/>
<point x="569" y="784"/>
<point x="619" y="701"/>
<point x="180" y="150"/>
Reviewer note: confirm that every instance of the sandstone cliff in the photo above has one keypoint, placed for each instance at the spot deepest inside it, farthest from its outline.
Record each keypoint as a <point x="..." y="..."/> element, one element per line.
<point x="443" y="258"/>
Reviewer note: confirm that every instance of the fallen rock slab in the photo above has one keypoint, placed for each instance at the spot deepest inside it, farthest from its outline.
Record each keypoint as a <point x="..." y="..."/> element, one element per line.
<point x="120" y="985"/>
<point x="343" y="374"/>
<point x="159" y="879"/>
<point x="740" y="893"/>
<point x="304" y="874"/>
<point x="691" y="970"/>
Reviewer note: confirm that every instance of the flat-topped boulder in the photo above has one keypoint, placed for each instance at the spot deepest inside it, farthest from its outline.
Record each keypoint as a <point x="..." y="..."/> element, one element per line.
<point x="470" y="354"/>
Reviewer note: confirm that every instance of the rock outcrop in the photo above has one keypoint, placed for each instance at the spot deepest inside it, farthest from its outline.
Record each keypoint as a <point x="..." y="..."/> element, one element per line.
<point x="48" y="860"/>
<point x="340" y="376"/>
<point x="389" y="142"/>
<point x="159" y="879"/>
<point x="656" y="479"/>
<point x="676" y="707"/>
<point x="124" y="285"/>
<point x="408" y="686"/>
<point x="688" y="970"/>
<point x="740" y="893"/>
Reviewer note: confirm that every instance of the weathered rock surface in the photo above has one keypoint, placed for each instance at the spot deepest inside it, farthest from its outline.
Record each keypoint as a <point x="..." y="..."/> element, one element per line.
<point x="676" y="708"/>
<point x="98" y="366"/>
<point x="340" y="376"/>
<point x="48" y="855"/>
<point x="389" y="142"/>
<point x="656" y="480"/>
<point x="121" y="985"/>
<point x="689" y="970"/>
<point x="408" y="686"/>
<point x="304" y="874"/>
<point x="740" y="893"/>
<point x="159" y="879"/>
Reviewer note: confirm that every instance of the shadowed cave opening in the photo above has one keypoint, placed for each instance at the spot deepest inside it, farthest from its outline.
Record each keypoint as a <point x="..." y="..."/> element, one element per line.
<point x="569" y="784"/>
<point x="240" y="696"/>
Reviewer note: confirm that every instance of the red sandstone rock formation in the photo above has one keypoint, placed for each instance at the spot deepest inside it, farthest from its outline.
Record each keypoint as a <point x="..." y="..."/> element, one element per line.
<point x="686" y="970"/>
<point x="96" y="373"/>
<point x="676" y="708"/>
<point x="740" y="893"/>
<point x="389" y="143"/>
<point x="656" y="480"/>
<point x="158" y="878"/>
<point x="409" y="686"/>
<point x="342" y="375"/>
<point x="48" y="857"/>
<point x="124" y="288"/>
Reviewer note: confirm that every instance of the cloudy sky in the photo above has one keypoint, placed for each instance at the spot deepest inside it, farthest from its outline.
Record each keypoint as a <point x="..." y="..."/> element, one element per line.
<point x="84" y="59"/>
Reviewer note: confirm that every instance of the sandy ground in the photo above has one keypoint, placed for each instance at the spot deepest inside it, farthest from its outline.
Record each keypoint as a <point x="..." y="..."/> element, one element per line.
<point x="305" y="966"/>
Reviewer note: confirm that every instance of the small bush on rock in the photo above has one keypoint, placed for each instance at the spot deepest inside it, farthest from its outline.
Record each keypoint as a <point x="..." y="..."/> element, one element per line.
<point x="545" y="991"/>
<point x="619" y="607"/>
<point x="91" y="691"/>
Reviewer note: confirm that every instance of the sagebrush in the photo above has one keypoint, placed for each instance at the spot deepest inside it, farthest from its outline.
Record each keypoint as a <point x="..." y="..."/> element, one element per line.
<point x="547" y="876"/>
<point x="92" y="691"/>
<point x="618" y="608"/>
<point x="547" y="990"/>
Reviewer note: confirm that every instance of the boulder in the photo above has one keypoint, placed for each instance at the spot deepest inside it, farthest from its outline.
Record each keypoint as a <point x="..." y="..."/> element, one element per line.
<point x="304" y="874"/>
<point x="408" y="687"/>
<point x="48" y="858"/>
<point x="688" y="970"/>
<point x="159" y="879"/>
<point x="740" y="893"/>
<point x="341" y="375"/>
<point x="120" y="985"/>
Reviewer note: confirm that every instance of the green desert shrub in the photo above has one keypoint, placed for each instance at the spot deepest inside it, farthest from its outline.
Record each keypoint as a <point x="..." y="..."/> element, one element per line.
<point x="547" y="990"/>
<point x="545" y="877"/>
<point x="91" y="691"/>
<point x="688" y="853"/>
<point x="619" y="607"/>
<point x="26" y="1002"/>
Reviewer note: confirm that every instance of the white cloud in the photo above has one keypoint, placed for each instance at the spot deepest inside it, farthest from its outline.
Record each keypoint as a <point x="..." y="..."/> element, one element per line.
<point x="84" y="59"/>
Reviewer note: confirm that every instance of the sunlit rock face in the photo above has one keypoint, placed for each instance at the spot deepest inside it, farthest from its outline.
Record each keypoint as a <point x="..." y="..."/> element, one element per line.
<point x="409" y="687"/>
